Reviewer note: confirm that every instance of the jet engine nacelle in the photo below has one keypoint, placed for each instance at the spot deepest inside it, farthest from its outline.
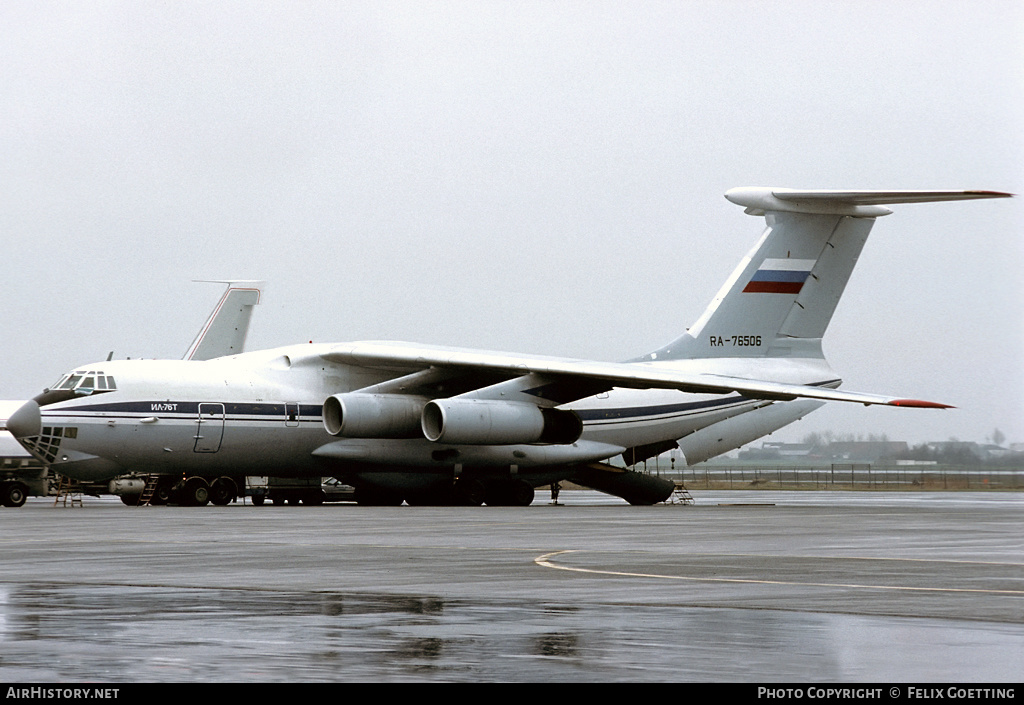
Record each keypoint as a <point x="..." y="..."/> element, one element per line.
<point x="489" y="422"/>
<point x="358" y="415"/>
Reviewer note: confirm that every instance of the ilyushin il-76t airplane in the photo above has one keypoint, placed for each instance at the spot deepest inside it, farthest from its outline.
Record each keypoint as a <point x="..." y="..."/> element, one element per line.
<point x="438" y="425"/>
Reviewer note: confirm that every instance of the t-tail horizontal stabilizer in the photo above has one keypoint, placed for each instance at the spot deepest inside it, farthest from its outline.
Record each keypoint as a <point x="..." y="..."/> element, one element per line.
<point x="869" y="204"/>
<point x="780" y="299"/>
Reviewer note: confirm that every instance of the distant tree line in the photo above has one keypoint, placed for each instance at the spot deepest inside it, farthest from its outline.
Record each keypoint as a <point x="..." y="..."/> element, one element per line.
<point x="951" y="452"/>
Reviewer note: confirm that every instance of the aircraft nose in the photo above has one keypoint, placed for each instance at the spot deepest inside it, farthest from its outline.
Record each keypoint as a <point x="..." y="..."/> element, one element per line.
<point x="26" y="421"/>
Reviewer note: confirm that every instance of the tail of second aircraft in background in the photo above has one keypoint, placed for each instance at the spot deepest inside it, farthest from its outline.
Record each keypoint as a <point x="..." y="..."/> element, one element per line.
<point x="225" y="330"/>
<point x="780" y="299"/>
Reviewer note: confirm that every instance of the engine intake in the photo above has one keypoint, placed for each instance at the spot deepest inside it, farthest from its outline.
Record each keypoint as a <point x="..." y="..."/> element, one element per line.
<point x="357" y="415"/>
<point x="488" y="422"/>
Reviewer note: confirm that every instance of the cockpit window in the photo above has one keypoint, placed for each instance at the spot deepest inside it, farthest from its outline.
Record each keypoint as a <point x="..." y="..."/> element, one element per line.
<point x="67" y="382"/>
<point x="75" y="384"/>
<point x="89" y="380"/>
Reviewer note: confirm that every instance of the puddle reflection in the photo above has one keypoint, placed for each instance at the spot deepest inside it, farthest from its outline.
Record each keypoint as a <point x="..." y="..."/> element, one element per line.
<point x="58" y="632"/>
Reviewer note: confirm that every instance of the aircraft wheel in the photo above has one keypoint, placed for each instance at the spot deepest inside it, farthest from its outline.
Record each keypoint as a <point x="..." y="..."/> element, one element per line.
<point x="495" y="497"/>
<point x="258" y="499"/>
<point x="222" y="491"/>
<point x="522" y="494"/>
<point x="162" y="494"/>
<point x="196" y="492"/>
<point x="130" y="500"/>
<point x="469" y="493"/>
<point x="13" y="494"/>
<point x="510" y="494"/>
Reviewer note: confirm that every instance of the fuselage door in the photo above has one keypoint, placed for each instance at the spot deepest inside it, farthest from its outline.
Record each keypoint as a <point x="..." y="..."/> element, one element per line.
<point x="209" y="428"/>
<point x="291" y="414"/>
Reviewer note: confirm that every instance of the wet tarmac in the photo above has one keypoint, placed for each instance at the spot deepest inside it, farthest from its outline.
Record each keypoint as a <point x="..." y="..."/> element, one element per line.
<point x="741" y="587"/>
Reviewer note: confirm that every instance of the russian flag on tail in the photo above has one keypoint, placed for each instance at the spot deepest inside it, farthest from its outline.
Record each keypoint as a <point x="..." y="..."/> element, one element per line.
<point x="780" y="276"/>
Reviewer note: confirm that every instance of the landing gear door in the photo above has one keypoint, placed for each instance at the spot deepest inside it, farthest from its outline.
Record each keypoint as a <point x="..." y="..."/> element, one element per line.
<point x="209" y="428"/>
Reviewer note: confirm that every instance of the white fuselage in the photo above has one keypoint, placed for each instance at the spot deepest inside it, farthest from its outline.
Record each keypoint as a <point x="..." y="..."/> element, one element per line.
<point x="260" y="413"/>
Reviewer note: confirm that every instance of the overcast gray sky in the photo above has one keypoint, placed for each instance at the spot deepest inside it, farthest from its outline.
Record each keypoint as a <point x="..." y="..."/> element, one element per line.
<point x="541" y="177"/>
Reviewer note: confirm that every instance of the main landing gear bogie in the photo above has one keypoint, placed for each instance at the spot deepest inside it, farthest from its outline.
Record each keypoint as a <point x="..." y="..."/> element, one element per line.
<point x="511" y="493"/>
<point x="197" y="492"/>
<point x="192" y="491"/>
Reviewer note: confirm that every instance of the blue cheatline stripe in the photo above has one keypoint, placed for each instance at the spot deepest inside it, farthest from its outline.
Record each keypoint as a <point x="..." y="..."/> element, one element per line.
<point x="188" y="409"/>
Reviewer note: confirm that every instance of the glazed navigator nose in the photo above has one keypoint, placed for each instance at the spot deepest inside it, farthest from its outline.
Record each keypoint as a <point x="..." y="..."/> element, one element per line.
<point x="26" y="421"/>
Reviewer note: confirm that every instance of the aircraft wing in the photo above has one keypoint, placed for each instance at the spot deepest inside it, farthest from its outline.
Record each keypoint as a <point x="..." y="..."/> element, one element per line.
<point x="400" y="357"/>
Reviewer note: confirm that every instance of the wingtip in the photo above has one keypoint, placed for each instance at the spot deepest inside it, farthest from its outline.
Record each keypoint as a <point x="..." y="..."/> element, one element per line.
<point x="991" y="194"/>
<point x="919" y="404"/>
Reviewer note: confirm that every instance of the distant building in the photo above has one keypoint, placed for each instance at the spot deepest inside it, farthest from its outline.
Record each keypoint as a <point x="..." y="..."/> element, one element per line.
<point x="866" y="451"/>
<point x="845" y="451"/>
<point x="775" y="451"/>
<point x="788" y="450"/>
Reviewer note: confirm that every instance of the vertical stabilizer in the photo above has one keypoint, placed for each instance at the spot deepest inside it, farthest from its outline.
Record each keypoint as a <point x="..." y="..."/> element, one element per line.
<point x="225" y="330"/>
<point x="780" y="299"/>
